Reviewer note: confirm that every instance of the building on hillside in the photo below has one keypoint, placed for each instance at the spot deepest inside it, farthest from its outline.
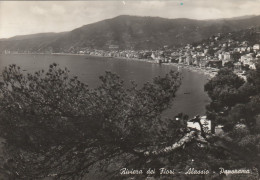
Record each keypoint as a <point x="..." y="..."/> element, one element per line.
<point x="249" y="49"/>
<point x="245" y="43"/>
<point x="257" y="57"/>
<point x="113" y="47"/>
<point x="7" y="52"/>
<point x="237" y="49"/>
<point x="245" y="59"/>
<point x="221" y="56"/>
<point x="243" y="49"/>
<point x="153" y="56"/>
<point x="249" y="60"/>
<point x="181" y="59"/>
<point x="199" y="47"/>
<point x="206" y="51"/>
<point x="256" y="47"/>
<point x="205" y="123"/>
<point x="81" y="52"/>
<point x="188" y="46"/>
<point x="226" y="58"/>
<point x="219" y="130"/>
<point x="165" y="46"/>
<point x="200" y="54"/>
<point x="189" y="60"/>
<point x="252" y="65"/>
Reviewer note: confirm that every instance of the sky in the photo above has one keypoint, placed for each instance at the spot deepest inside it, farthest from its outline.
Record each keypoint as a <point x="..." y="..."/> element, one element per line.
<point x="30" y="17"/>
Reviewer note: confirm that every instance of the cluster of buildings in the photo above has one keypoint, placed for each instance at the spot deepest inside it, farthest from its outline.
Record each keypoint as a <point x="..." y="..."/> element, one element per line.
<point x="215" y="52"/>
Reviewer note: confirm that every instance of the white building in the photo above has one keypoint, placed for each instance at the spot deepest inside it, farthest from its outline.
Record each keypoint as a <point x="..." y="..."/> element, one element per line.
<point x="256" y="47"/>
<point x="246" y="59"/>
<point x="218" y="130"/>
<point x="204" y="121"/>
<point x="243" y="49"/>
<point x="227" y="56"/>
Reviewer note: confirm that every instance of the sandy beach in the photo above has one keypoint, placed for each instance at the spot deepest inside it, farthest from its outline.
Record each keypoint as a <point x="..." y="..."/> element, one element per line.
<point x="206" y="71"/>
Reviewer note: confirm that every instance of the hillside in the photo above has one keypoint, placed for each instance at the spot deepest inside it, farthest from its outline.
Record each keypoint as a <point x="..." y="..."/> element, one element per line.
<point x="129" y="32"/>
<point x="250" y="35"/>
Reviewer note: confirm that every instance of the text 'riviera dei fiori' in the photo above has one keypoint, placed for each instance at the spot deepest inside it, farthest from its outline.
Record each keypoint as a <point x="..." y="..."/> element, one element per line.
<point x="190" y="171"/>
<point x="150" y="171"/>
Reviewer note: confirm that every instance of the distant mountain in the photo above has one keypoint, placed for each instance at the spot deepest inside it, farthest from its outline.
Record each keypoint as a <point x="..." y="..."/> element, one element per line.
<point x="239" y="17"/>
<point x="35" y="42"/>
<point x="34" y="36"/>
<point x="129" y="32"/>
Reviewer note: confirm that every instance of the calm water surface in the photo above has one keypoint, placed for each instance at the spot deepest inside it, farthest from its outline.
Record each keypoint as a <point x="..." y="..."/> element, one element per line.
<point x="89" y="68"/>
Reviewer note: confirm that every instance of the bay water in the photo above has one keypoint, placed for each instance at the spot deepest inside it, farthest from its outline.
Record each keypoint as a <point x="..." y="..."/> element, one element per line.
<point x="190" y="98"/>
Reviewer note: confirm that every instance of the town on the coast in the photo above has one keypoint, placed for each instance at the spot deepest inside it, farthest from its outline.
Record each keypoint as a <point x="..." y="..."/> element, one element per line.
<point x="239" y="50"/>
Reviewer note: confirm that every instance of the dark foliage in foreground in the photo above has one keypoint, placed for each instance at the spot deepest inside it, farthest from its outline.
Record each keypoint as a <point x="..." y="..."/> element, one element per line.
<point x="236" y="105"/>
<point x="55" y="126"/>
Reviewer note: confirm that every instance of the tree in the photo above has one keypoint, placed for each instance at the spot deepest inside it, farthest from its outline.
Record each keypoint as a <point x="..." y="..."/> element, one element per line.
<point x="231" y="94"/>
<point x="229" y="65"/>
<point x="235" y="56"/>
<point x="55" y="126"/>
<point x="224" y="88"/>
<point x="211" y="52"/>
<point x="235" y="104"/>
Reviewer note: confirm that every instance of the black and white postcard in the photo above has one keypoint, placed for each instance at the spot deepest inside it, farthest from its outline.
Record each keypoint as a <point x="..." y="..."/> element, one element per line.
<point x="130" y="90"/>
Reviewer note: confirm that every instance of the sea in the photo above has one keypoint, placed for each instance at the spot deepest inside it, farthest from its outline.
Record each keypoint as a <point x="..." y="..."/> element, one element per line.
<point x="190" y="99"/>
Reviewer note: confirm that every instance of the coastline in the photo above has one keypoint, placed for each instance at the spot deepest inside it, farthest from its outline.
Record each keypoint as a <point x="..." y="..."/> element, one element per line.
<point x="205" y="71"/>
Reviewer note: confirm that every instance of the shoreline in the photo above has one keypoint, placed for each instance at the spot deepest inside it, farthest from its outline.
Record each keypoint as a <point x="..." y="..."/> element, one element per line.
<point x="207" y="72"/>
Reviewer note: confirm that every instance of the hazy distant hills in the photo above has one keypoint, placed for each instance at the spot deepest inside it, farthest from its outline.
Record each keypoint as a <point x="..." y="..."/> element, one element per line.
<point x="129" y="32"/>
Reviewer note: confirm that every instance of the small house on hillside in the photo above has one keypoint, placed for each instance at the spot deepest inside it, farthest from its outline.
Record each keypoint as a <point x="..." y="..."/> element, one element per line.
<point x="204" y="121"/>
<point x="256" y="47"/>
